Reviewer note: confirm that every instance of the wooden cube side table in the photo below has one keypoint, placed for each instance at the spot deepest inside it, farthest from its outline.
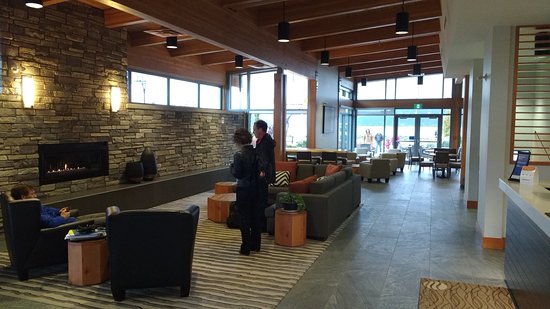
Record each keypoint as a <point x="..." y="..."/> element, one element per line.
<point x="218" y="206"/>
<point x="225" y="187"/>
<point x="290" y="228"/>
<point x="88" y="261"/>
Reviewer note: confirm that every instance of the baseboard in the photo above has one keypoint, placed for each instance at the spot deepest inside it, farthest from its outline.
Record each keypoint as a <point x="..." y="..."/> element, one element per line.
<point x="494" y="243"/>
<point x="471" y="204"/>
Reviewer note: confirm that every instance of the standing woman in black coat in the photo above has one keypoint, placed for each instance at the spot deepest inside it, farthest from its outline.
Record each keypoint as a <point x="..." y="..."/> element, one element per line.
<point x="244" y="168"/>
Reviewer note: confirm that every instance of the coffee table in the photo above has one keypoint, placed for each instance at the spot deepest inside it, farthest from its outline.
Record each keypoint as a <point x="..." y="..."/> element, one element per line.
<point x="218" y="206"/>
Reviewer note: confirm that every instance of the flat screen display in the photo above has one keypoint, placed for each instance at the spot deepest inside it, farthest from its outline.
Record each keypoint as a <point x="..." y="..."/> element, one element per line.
<point x="521" y="161"/>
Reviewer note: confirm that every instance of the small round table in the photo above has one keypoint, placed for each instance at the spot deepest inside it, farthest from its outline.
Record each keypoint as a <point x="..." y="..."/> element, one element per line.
<point x="225" y="187"/>
<point x="218" y="206"/>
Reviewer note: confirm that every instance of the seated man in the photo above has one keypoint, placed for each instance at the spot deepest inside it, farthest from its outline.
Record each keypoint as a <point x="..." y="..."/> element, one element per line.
<point x="49" y="216"/>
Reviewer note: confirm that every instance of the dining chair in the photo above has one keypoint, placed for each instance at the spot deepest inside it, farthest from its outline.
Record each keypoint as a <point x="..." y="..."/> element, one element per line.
<point x="413" y="159"/>
<point x="303" y="156"/>
<point x="441" y="163"/>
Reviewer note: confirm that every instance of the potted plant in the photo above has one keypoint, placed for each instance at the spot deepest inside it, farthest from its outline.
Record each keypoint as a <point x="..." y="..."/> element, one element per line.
<point x="292" y="202"/>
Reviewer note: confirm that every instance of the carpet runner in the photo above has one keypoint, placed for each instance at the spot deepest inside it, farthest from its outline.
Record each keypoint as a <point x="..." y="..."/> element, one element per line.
<point x="441" y="294"/>
<point x="222" y="278"/>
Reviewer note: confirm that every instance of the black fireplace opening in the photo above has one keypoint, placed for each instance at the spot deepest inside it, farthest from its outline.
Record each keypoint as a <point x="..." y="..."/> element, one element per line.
<point x="71" y="161"/>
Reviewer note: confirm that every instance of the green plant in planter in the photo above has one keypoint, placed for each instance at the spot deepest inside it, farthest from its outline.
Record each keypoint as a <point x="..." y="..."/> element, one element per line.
<point x="292" y="201"/>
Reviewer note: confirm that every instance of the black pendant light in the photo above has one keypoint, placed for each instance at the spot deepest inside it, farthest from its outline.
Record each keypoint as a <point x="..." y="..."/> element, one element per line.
<point x="348" y="70"/>
<point x="35" y="4"/>
<point x="412" y="50"/>
<point x="420" y="80"/>
<point x="417" y="70"/>
<point x="363" y="81"/>
<point x="283" y="29"/>
<point x="325" y="55"/>
<point x="172" y="42"/>
<point x="402" y="21"/>
<point x="238" y="62"/>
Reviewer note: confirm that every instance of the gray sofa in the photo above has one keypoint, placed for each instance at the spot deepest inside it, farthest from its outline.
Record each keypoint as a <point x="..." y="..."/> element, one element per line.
<point x="329" y="202"/>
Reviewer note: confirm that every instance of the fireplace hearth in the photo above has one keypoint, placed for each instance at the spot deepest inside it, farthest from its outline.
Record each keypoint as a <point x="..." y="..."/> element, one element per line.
<point x="71" y="161"/>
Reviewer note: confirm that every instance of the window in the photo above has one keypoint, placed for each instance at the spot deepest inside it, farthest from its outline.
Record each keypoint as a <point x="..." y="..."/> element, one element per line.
<point x="296" y="106"/>
<point x="261" y="90"/>
<point x="239" y="91"/>
<point x="183" y="93"/>
<point x="153" y="89"/>
<point x="434" y="87"/>
<point x="146" y="88"/>
<point x="374" y="90"/>
<point x="210" y="96"/>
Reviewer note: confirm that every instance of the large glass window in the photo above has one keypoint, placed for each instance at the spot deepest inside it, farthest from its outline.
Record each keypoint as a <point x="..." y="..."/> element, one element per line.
<point x="374" y="130"/>
<point x="239" y="91"/>
<point x="374" y="90"/>
<point x="434" y="87"/>
<point x="210" y="96"/>
<point x="345" y="124"/>
<point x="296" y="106"/>
<point x="148" y="88"/>
<point x="184" y="93"/>
<point x="261" y="90"/>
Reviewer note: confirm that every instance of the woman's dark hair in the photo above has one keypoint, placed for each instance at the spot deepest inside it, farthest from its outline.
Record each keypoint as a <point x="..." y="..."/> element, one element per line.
<point x="242" y="136"/>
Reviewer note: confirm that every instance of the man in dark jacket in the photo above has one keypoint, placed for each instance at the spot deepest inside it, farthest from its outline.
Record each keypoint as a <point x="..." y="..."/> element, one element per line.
<point x="265" y="154"/>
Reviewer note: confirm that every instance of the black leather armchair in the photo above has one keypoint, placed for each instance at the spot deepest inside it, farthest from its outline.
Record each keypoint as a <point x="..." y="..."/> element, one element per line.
<point x="151" y="248"/>
<point x="28" y="244"/>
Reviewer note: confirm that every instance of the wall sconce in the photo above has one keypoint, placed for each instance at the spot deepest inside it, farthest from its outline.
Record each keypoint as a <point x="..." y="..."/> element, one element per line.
<point x="27" y="91"/>
<point x="484" y="77"/>
<point x="115" y="99"/>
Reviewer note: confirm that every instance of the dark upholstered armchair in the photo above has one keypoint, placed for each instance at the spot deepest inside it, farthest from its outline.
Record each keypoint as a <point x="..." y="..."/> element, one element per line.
<point x="151" y="248"/>
<point x="28" y="244"/>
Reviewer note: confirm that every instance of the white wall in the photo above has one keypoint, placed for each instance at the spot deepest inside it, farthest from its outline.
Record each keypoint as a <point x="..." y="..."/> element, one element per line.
<point x="327" y="93"/>
<point x="471" y="185"/>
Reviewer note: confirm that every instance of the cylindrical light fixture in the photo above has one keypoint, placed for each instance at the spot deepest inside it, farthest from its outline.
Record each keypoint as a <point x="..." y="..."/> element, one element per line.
<point x="348" y="71"/>
<point x="412" y="51"/>
<point x="402" y="21"/>
<point x="283" y="32"/>
<point x="172" y="42"/>
<point x="27" y="91"/>
<point x="35" y="4"/>
<point x="325" y="57"/>
<point x="420" y="80"/>
<point x="417" y="70"/>
<point x="115" y="98"/>
<point x="239" y="61"/>
<point x="363" y="81"/>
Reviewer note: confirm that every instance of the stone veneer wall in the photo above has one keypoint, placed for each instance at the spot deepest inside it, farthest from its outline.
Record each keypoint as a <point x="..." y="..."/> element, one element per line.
<point x="74" y="61"/>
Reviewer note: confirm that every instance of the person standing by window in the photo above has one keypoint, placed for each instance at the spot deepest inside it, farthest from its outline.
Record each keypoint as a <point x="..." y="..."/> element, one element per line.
<point x="244" y="168"/>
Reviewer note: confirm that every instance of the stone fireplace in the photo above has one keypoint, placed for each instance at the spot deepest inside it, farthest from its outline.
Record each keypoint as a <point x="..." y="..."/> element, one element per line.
<point x="70" y="161"/>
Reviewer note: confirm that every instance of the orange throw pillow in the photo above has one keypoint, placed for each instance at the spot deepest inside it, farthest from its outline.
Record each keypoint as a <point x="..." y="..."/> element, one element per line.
<point x="287" y="166"/>
<point x="301" y="186"/>
<point x="332" y="168"/>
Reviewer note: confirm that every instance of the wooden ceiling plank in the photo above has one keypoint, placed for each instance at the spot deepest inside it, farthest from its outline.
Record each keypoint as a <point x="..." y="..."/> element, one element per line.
<point x="403" y="68"/>
<point x="397" y="74"/>
<point x="385" y="65"/>
<point x="140" y="38"/>
<point x="52" y="2"/>
<point x="209" y="22"/>
<point x="363" y="20"/>
<point x="390" y="54"/>
<point x="194" y="48"/>
<point x="391" y="61"/>
<point x="364" y="37"/>
<point x="217" y="58"/>
<point x="115" y="19"/>
<point x="380" y="47"/>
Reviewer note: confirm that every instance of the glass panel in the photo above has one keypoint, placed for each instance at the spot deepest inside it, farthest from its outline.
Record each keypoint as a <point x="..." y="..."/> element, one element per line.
<point x="389" y="141"/>
<point x="148" y="88"/>
<point x="390" y="89"/>
<point x="183" y="93"/>
<point x="297" y="91"/>
<point x="239" y="91"/>
<point x="210" y="96"/>
<point x="406" y="88"/>
<point x="296" y="129"/>
<point x="428" y="132"/>
<point x="446" y="134"/>
<point x="266" y="116"/>
<point x="448" y="88"/>
<point x="374" y="90"/>
<point x="344" y="128"/>
<point x="368" y="127"/>
<point x="432" y="87"/>
<point x="406" y="132"/>
<point x="261" y="90"/>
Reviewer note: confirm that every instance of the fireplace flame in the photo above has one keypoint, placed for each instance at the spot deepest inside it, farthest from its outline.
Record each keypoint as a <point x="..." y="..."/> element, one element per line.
<point x="65" y="168"/>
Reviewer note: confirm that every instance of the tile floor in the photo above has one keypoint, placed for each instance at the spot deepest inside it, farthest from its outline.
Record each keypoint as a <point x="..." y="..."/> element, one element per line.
<point x="413" y="227"/>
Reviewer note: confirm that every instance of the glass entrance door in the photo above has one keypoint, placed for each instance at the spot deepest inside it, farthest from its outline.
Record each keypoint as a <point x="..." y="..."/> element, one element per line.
<point x="415" y="131"/>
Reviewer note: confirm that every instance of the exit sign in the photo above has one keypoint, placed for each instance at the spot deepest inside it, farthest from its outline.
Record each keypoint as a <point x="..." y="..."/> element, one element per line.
<point x="417" y="105"/>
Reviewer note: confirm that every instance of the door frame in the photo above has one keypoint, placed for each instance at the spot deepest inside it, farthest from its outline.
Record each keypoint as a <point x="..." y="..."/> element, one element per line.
<point x="417" y="121"/>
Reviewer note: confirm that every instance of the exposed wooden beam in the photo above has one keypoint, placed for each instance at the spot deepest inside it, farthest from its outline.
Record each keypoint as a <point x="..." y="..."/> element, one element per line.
<point x="217" y="58"/>
<point x="300" y="11"/>
<point x="402" y="72"/>
<point x="52" y="2"/>
<point x="193" y="48"/>
<point x="242" y="4"/>
<point x="115" y="18"/>
<point x="364" y="37"/>
<point x="382" y="47"/>
<point x="382" y="56"/>
<point x="391" y="62"/>
<point x="362" y="20"/>
<point x="209" y="22"/>
<point x="140" y="38"/>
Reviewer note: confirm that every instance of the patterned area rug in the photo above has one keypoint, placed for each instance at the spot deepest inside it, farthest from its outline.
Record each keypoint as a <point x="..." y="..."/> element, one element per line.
<point x="222" y="278"/>
<point x="443" y="294"/>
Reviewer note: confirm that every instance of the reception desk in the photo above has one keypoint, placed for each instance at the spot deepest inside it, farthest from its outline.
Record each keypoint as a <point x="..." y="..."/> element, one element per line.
<point x="527" y="253"/>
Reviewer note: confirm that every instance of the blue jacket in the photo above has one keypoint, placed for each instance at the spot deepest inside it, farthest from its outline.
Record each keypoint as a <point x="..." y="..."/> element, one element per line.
<point x="49" y="217"/>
